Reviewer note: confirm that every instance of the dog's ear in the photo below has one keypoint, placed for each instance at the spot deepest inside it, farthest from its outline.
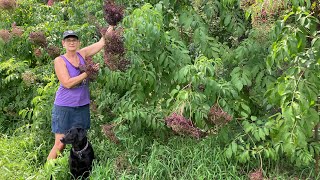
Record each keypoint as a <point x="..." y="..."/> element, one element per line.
<point x="82" y="133"/>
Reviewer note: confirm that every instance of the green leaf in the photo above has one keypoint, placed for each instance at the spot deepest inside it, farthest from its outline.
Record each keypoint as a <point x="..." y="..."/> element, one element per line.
<point x="266" y="153"/>
<point x="247" y="126"/>
<point x="227" y="20"/>
<point x="244" y="157"/>
<point x="253" y="118"/>
<point x="234" y="147"/>
<point x="244" y="114"/>
<point x="256" y="135"/>
<point x="238" y="84"/>
<point x="288" y="114"/>
<point x="301" y="138"/>
<point x="186" y="20"/>
<point x="266" y="131"/>
<point x="282" y="89"/>
<point x="245" y="107"/>
<point x="289" y="148"/>
<point x="311" y="117"/>
<point x="261" y="134"/>
<point x="228" y="152"/>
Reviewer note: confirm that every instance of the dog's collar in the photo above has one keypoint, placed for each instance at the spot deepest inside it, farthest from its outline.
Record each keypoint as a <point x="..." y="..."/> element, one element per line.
<point x="79" y="153"/>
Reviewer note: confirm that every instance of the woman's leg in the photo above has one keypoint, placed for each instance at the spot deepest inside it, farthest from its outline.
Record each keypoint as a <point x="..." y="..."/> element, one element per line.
<point x="58" y="146"/>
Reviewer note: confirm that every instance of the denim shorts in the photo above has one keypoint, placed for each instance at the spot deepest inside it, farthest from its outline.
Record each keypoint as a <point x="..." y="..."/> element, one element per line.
<point x="65" y="118"/>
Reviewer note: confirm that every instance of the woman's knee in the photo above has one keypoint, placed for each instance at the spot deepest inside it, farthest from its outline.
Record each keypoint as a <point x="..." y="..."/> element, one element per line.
<point x="59" y="145"/>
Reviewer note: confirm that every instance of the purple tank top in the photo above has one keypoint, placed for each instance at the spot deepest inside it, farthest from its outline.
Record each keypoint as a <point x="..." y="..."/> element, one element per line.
<point x="76" y="96"/>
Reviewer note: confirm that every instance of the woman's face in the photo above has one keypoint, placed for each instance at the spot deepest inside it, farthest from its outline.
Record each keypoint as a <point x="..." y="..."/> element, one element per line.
<point x="71" y="43"/>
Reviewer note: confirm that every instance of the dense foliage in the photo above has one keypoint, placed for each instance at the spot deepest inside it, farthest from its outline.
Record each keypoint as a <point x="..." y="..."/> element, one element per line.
<point x="243" y="76"/>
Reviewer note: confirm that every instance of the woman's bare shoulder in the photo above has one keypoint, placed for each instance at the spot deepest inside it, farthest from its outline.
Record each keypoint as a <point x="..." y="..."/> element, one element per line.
<point x="59" y="61"/>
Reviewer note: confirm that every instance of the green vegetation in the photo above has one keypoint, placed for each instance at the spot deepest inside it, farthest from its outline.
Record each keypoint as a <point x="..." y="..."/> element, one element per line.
<point x="255" y="62"/>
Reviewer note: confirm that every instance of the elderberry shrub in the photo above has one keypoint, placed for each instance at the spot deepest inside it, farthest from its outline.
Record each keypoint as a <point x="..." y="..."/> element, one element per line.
<point x="113" y="13"/>
<point x="38" y="38"/>
<point x="183" y="126"/>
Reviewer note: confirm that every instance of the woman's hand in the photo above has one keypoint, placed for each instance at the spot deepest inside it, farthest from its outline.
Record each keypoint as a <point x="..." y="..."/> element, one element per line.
<point x="91" y="69"/>
<point x="96" y="67"/>
<point x="109" y="31"/>
<point x="110" y="28"/>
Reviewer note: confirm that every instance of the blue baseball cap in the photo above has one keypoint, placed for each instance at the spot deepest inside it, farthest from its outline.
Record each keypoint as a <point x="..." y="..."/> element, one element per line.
<point x="69" y="33"/>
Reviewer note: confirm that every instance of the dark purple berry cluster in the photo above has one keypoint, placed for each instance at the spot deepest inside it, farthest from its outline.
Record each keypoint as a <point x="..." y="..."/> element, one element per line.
<point x="5" y="35"/>
<point x="53" y="51"/>
<point x="217" y="116"/>
<point x="38" y="38"/>
<point x="114" y="51"/>
<point x="183" y="126"/>
<point x="107" y="130"/>
<point x="114" y="43"/>
<point x="8" y="4"/>
<point x="16" y="30"/>
<point x="113" y="13"/>
<point x="37" y="52"/>
<point x="89" y="68"/>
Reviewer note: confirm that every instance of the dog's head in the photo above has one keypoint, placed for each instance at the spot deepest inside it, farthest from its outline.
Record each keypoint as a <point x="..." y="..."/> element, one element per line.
<point x="74" y="135"/>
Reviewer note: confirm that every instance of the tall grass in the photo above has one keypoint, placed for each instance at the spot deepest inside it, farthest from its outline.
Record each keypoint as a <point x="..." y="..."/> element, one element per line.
<point x="177" y="159"/>
<point x="23" y="156"/>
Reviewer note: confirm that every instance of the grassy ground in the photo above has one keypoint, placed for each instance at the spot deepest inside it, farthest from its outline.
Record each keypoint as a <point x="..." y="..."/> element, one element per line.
<point x="22" y="156"/>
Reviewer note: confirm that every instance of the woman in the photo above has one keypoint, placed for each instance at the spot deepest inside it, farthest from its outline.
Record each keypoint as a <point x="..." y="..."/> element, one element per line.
<point x="71" y="105"/>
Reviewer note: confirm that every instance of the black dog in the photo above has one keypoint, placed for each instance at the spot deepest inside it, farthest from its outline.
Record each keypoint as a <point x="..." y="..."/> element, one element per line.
<point x="81" y="153"/>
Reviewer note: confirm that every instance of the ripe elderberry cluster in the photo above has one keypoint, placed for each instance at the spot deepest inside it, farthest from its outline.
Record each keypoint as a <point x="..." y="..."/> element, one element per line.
<point x="114" y="51"/>
<point x="16" y="30"/>
<point x="53" y="51"/>
<point x="257" y="174"/>
<point x="116" y="62"/>
<point x="114" y="43"/>
<point x="217" y="116"/>
<point x="38" y="38"/>
<point x="112" y="12"/>
<point x="8" y="4"/>
<point x="5" y="35"/>
<point x="37" y="52"/>
<point x="183" y="126"/>
<point x="88" y="67"/>
<point x="107" y="130"/>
